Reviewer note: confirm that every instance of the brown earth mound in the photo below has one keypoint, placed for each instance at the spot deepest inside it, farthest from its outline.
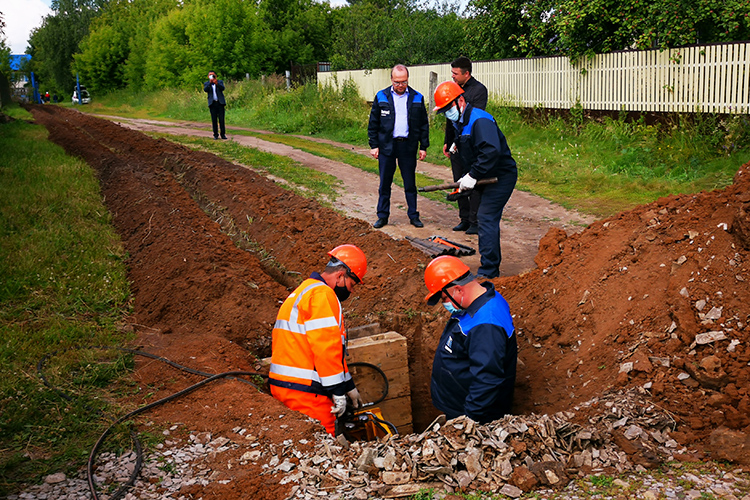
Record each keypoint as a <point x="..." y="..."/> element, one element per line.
<point x="655" y="297"/>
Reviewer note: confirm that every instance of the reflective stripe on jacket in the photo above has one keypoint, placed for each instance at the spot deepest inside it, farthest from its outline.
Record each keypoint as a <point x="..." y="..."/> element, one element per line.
<point x="309" y="340"/>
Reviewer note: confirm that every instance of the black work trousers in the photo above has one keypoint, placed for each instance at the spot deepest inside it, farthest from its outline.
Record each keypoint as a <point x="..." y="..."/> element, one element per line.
<point x="467" y="205"/>
<point x="217" y="115"/>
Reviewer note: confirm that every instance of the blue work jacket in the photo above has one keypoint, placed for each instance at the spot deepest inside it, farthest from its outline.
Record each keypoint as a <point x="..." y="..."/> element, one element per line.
<point x="482" y="146"/>
<point x="383" y="119"/>
<point x="474" y="371"/>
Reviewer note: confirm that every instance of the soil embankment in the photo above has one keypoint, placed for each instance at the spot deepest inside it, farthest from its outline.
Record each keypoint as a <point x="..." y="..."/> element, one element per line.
<point x="656" y="297"/>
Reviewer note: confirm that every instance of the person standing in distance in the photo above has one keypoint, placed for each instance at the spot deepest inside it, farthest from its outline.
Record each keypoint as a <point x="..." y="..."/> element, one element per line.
<point x="484" y="153"/>
<point x="474" y="371"/>
<point x="475" y="94"/>
<point x="216" y="103"/>
<point x="397" y="129"/>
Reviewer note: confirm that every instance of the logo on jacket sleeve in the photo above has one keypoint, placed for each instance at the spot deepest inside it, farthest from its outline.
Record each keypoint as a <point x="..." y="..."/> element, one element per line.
<point x="449" y="344"/>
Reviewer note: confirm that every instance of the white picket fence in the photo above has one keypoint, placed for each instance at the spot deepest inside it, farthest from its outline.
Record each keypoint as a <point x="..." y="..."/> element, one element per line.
<point x="706" y="78"/>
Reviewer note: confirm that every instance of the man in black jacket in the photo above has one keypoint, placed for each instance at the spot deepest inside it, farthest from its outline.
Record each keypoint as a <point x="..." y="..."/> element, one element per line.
<point x="474" y="370"/>
<point x="397" y="129"/>
<point x="475" y="94"/>
<point x="216" y="103"/>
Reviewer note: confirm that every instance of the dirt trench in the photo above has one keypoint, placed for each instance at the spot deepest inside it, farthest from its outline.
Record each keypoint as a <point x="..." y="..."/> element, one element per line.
<point x="619" y="304"/>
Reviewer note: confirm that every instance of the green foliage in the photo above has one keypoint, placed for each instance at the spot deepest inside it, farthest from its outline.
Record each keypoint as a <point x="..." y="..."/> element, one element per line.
<point x="63" y="284"/>
<point x="371" y="36"/>
<point x="575" y="28"/>
<point x="53" y="44"/>
<point x="113" y="53"/>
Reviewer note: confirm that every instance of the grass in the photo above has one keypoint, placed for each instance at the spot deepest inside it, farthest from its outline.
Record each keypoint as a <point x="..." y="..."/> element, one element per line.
<point x="598" y="166"/>
<point x="306" y="180"/>
<point x="63" y="284"/>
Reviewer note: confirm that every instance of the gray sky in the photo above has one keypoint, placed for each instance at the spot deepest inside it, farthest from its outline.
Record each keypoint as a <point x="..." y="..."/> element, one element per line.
<point x="21" y="16"/>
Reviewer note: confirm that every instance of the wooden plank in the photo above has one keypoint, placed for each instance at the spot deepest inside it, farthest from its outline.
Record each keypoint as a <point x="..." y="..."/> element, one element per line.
<point x="387" y="351"/>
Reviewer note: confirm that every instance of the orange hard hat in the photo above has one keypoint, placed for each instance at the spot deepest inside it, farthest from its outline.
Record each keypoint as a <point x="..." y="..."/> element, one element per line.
<point x="353" y="258"/>
<point x="446" y="93"/>
<point x="443" y="272"/>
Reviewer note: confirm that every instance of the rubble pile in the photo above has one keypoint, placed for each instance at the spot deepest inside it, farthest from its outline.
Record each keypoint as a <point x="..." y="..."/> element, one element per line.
<point x="619" y="432"/>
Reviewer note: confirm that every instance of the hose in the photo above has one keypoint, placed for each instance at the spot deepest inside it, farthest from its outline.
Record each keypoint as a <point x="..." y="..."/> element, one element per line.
<point x="122" y="490"/>
<point x="210" y="377"/>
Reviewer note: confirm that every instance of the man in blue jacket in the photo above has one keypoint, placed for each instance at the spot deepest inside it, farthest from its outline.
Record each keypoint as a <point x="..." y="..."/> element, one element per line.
<point x="397" y="129"/>
<point x="474" y="371"/>
<point x="484" y="153"/>
<point x="216" y="103"/>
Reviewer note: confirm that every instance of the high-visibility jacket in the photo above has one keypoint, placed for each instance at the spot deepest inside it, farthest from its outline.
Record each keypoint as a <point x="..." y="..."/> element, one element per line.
<point x="309" y="342"/>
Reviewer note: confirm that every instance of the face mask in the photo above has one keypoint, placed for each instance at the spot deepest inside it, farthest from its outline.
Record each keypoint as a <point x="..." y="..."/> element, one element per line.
<point x="342" y="293"/>
<point x="450" y="307"/>
<point x="453" y="114"/>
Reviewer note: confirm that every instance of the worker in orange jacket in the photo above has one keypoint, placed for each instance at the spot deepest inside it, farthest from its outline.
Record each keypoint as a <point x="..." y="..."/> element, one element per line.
<point x="308" y="370"/>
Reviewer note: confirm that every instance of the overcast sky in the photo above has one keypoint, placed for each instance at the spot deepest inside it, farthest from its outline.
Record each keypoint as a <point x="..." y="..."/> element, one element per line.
<point x="21" y="16"/>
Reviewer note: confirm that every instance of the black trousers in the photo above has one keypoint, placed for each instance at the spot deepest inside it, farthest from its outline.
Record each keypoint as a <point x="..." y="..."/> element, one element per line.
<point x="217" y="115"/>
<point x="468" y="205"/>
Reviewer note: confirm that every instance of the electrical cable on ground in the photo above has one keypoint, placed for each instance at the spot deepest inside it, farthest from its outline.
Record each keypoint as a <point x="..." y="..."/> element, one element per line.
<point x="210" y="377"/>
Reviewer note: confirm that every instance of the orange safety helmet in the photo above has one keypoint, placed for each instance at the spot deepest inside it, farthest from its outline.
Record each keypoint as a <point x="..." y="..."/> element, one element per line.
<point x="353" y="258"/>
<point x="446" y="93"/>
<point x="442" y="272"/>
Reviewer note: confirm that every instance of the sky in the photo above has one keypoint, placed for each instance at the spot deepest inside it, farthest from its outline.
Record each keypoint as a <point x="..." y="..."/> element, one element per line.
<point x="21" y="16"/>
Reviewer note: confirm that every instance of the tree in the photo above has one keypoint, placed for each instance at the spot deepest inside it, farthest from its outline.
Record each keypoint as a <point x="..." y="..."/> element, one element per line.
<point x="4" y="65"/>
<point x="112" y="55"/>
<point x="219" y="35"/>
<point x="56" y="40"/>
<point x="368" y="35"/>
<point x="575" y="28"/>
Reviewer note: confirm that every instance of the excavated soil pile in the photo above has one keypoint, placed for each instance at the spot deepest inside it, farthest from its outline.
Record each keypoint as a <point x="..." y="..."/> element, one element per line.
<point x="656" y="297"/>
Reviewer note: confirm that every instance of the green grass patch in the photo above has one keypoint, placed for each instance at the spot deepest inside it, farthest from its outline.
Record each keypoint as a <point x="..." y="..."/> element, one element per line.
<point x="62" y="284"/>
<point x="306" y="181"/>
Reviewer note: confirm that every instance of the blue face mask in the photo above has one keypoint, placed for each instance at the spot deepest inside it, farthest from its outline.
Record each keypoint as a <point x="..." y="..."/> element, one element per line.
<point x="451" y="308"/>
<point x="453" y="114"/>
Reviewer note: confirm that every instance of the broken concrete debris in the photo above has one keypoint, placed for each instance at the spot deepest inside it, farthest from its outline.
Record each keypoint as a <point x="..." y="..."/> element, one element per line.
<point x="619" y="432"/>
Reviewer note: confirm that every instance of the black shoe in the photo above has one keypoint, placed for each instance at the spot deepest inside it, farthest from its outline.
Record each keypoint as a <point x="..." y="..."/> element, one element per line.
<point x="382" y="221"/>
<point x="473" y="229"/>
<point x="224" y="137"/>
<point x="416" y="222"/>
<point x="462" y="226"/>
<point x="216" y="137"/>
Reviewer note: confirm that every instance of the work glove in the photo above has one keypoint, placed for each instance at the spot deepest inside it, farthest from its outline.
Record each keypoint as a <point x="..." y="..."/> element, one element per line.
<point x="339" y="405"/>
<point x="466" y="182"/>
<point x="356" y="398"/>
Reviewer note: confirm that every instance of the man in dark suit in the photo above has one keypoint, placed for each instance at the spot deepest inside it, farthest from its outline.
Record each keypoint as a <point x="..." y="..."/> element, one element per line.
<point x="475" y="94"/>
<point x="398" y="128"/>
<point x="216" y="103"/>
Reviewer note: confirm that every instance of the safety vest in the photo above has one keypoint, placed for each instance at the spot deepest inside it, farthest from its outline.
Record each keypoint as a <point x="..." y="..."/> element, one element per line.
<point x="309" y="341"/>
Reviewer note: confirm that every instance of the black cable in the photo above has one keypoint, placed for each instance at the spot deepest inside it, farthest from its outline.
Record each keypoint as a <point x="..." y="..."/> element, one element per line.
<point x="123" y="489"/>
<point x="210" y="377"/>
<point x="382" y="374"/>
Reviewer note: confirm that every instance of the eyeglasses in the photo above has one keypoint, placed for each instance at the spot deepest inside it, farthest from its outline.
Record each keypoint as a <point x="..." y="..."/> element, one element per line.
<point x="353" y="277"/>
<point x="400" y="84"/>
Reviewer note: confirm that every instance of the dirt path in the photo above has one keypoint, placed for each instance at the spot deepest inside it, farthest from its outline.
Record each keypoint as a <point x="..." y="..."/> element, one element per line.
<point x="526" y="218"/>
